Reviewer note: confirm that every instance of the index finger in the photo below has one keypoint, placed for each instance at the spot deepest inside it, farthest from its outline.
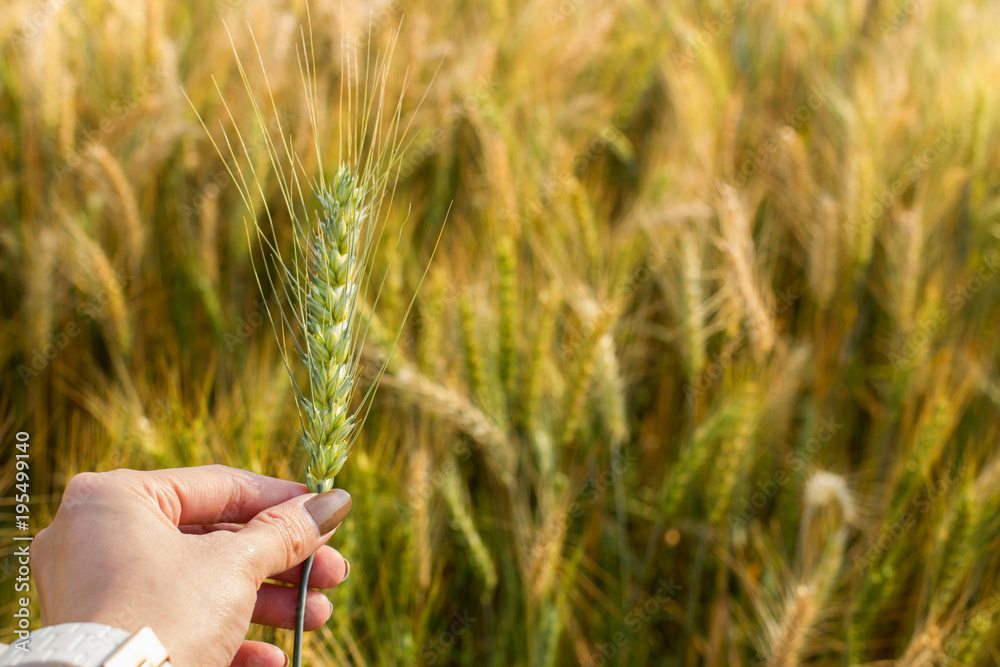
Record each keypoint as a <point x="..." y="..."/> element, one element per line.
<point x="215" y="493"/>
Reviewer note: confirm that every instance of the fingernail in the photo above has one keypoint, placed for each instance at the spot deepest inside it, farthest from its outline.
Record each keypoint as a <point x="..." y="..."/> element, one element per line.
<point x="347" y="571"/>
<point x="287" y="660"/>
<point x="328" y="509"/>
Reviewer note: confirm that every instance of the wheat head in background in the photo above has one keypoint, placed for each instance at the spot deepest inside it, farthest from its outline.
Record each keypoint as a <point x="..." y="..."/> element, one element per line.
<point x="705" y="368"/>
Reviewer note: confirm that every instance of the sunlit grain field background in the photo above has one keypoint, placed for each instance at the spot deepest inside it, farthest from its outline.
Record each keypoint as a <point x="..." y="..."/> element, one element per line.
<point x="704" y="370"/>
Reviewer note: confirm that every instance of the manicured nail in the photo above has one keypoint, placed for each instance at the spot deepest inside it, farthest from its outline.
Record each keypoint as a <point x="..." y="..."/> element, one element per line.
<point x="328" y="509"/>
<point x="347" y="570"/>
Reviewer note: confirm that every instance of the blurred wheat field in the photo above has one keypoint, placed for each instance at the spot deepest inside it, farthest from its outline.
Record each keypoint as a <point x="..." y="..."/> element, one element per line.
<point x="704" y="371"/>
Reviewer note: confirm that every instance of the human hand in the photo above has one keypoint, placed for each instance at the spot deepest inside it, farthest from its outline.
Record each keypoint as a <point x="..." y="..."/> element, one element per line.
<point x="164" y="549"/>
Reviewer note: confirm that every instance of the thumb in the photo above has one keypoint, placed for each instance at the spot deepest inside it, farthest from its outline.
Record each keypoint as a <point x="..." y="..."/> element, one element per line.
<point x="282" y="536"/>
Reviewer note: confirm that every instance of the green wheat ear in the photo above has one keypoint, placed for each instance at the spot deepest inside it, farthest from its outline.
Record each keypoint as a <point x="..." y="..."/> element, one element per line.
<point x="322" y="283"/>
<point x="329" y="292"/>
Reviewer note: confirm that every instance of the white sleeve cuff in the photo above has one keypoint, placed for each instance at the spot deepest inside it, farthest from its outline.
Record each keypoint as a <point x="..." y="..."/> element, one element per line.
<point x="68" y="645"/>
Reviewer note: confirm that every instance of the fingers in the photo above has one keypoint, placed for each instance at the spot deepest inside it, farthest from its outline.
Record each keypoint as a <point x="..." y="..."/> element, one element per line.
<point x="206" y="528"/>
<point x="259" y="654"/>
<point x="329" y="567"/>
<point x="276" y="607"/>
<point x="281" y="537"/>
<point x="215" y="494"/>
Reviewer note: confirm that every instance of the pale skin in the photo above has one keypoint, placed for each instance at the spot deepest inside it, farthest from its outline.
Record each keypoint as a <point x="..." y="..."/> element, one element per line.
<point x="165" y="549"/>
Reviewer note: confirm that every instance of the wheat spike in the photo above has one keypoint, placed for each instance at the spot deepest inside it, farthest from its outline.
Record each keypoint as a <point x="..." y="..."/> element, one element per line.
<point x="131" y="222"/>
<point x="93" y="273"/>
<point x="534" y="370"/>
<point x="823" y="250"/>
<point x="546" y="550"/>
<point x="794" y="189"/>
<point x="453" y="409"/>
<point x="907" y="247"/>
<point x="790" y="637"/>
<point x="39" y="298"/>
<point x="431" y="315"/>
<point x="589" y="236"/>
<point x="330" y="297"/>
<point x="506" y="262"/>
<point x="581" y="373"/>
<point x="737" y="243"/>
<point x="693" y="457"/>
<point x="693" y="297"/>
<point x="67" y="116"/>
<point x="925" y="650"/>
<point x="956" y="550"/>
<point x="830" y="509"/>
<point x="456" y="498"/>
<point x="611" y="389"/>
<point x="734" y="454"/>
<point x="473" y="352"/>
<point x="154" y="30"/>
<point x="53" y="71"/>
